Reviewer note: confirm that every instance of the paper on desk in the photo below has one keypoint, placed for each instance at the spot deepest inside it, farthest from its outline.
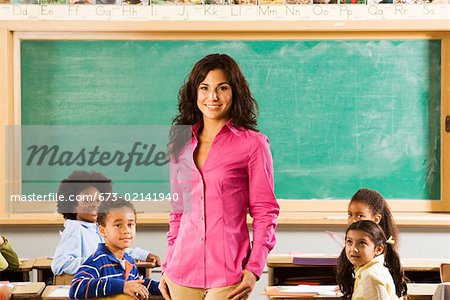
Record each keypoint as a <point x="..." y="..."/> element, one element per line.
<point x="7" y="283"/>
<point x="25" y="283"/>
<point x="310" y="289"/>
<point x="60" y="292"/>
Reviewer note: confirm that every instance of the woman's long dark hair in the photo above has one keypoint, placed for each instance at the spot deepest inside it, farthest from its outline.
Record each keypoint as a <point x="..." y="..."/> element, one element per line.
<point x="378" y="205"/>
<point x="244" y="109"/>
<point x="345" y="275"/>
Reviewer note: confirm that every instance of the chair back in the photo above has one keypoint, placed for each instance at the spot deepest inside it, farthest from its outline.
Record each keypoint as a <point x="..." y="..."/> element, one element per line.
<point x="445" y="272"/>
<point x="63" y="279"/>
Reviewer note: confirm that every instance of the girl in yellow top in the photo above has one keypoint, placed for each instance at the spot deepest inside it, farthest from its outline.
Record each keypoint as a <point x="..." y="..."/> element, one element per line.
<point x="369" y="267"/>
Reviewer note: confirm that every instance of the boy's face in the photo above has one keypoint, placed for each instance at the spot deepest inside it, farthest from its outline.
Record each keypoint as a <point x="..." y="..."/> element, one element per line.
<point x="358" y="211"/>
<point x="120" y="229"/>
<point x="86" y="208"/>
<point x="359" y="248"/>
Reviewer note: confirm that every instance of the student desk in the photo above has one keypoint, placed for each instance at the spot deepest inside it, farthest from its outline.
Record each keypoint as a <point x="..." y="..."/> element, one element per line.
<point x="282" y="271"/>
<point x="425" y="270"/>
<point x="269" y="288"/>
<point x="25" y="267"/>
<point x="43" y="267"/>
<point x="27" y="290"/>
<point x="442" y="291"/>
<point x="421" y="291"/>
<point x="416" y="291"/>
<point x="145" y="268"/>
<point x="293" y="297"/>
<point x="45" y="274"/>
<point x="50" y="288"/>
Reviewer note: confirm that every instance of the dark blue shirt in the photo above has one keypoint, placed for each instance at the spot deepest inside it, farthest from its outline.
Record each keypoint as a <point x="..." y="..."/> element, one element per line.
<point x="103" y="275"/>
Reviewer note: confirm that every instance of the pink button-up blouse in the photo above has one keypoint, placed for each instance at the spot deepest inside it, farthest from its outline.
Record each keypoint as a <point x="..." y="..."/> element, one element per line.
<point x="209" y="243"/>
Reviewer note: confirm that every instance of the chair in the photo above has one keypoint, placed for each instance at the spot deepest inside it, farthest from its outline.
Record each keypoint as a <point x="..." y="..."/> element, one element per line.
<point x="63" y="279"/>
<point x="445" y="272"/>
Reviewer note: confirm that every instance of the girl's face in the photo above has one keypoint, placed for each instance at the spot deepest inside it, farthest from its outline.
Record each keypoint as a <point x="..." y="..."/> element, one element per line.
<point x="360" y="249"/>
<point x="358" y="211"/>
<point x="214" y="96"/>
<point x="87" y="205"/>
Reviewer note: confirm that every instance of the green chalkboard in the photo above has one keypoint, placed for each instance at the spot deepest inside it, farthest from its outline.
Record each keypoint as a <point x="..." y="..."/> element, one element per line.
<point x="340" y="115"/>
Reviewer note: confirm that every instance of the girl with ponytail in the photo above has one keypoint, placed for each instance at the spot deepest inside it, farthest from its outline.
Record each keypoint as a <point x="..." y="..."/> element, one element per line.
<point x="369" y="266"/>
<point x="367" y="204"/>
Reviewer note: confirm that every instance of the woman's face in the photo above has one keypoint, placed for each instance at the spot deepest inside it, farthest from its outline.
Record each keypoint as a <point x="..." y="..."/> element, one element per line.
<point x="214" y="96"/>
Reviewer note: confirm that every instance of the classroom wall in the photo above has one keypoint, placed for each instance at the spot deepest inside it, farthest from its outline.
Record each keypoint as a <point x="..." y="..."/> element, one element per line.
<point x="415" y="243"/>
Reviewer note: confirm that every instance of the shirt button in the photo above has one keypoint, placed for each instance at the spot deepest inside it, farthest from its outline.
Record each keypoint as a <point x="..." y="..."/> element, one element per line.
<point x="201" y="239"/>
<point x="201" y="218"/>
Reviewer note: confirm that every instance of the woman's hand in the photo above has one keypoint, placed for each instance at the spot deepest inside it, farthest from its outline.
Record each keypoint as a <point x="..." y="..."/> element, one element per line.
<point x="135" y="289"/>
<point x="243" y="290"/>
<point x="154" y="260"/>
<point x="163" y="288"/>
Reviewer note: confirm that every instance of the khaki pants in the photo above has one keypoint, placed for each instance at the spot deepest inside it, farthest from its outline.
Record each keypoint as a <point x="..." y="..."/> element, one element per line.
<point x="179" y="292"/>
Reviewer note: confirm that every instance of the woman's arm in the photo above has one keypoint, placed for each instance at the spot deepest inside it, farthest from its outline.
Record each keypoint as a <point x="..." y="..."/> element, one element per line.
<point x="263" y="205"/>
<point x="264" y="210"/>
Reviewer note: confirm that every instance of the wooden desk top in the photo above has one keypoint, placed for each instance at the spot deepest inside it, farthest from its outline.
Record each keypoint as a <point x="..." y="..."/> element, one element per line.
<point x="42" y="263"/>
<point x="421" y="291"/>
<point x="27" y="290"/>
<point x="49" y="289"/>
<point x="421" y="264"/>
<point x="409" y="264"/>
<point x="294" y="297"/>
<point x="283" y="260"/>
<point x="26" y="264"/>
<point x="46" y="262"/>
<point x="143" y="264"/>
<point x="416" y="291"/>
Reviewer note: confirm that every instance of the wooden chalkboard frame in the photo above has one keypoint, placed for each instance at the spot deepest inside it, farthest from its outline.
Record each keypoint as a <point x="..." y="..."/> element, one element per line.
<point x="293" y="212"/>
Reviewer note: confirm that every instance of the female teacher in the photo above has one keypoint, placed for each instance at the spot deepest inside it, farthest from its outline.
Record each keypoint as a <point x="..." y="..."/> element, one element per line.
<point x="221" y="169"/>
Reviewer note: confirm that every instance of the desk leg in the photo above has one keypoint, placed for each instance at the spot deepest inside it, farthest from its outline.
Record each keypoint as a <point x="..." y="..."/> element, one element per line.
<point x="45" y="275"/>
<point x="271" y="277"/>
<point x="40" y="275"/>
<point x="26" y="276"/>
